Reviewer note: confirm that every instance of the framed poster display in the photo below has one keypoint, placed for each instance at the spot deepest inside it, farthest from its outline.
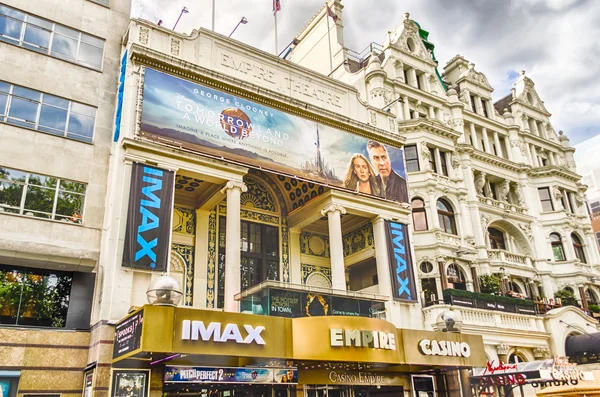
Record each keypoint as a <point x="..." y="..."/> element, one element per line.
<point x="130" y="383"/>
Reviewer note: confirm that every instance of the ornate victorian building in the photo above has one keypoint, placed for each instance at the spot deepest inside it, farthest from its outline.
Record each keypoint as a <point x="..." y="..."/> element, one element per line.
<point x="497" y="208"/>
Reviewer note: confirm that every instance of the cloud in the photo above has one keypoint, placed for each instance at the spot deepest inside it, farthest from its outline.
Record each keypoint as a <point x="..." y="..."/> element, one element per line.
<point x="553" y="40"/>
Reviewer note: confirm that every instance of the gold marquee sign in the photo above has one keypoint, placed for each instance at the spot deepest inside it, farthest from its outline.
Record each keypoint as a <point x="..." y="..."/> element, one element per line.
<point x="173" y="330"/>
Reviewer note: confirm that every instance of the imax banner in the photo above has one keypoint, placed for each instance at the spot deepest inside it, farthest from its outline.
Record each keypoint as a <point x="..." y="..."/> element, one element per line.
<point x="149" y="218"/>
<point x="230" y="127"/>
<point x="401" y="268"/>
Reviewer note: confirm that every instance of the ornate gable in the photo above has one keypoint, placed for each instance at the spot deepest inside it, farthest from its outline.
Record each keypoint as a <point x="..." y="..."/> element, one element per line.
<point x="409" y="41"/>
<point x="527" y="95"/>
<point x="478" y="78"/>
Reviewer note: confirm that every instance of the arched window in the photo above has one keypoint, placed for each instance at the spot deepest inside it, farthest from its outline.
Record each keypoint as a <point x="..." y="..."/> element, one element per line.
<point x="590" y="296"/>
<point x="557" y="247"/>
<point x="578" y="247"/>
<point x="496" y="239"/>
<point x="418" y="214"/>
<point x="446" y="216"/>
<point x="456" y="277"/>
<point x="516" y="358"/>
<point x="514" y="287"/>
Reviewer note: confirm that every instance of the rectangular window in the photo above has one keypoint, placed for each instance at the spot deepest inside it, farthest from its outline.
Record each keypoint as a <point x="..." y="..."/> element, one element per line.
<point x="412" y="158"/>
<point x="405" y="73"/>
<point x="443" y="163"/>
<point x="432" y="161"/>
<point x="545" y="199"/>
<point x="484" y="104"/>
<point x="44" y="112"/>
<point x="419" y="82"/>
<point x="41" y="196"/>
<point x="473" y="107"/>
<point x="50" y="38"/>
<point x="34" y="297"/>
<point x="595" y="207"/>
<point x="598" y="238"/>
<point x="571" y="202"/>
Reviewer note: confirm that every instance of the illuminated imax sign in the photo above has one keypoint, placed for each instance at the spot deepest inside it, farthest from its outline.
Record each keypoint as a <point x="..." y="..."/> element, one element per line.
<point x="362" y="338"/>
<point x="197" y="330"/>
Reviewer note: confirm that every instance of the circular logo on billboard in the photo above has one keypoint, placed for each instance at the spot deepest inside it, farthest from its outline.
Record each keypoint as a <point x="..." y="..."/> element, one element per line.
<point x="235" y="123"/>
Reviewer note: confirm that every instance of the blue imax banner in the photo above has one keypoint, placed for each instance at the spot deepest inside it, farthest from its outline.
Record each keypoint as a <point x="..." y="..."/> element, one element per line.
<point x="401" y="268"/>
<point x="149" y="218"/>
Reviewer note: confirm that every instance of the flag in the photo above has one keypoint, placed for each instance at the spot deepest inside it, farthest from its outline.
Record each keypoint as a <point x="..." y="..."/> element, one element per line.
<point x="276" y="6"/>
<point x="331" y="14"/>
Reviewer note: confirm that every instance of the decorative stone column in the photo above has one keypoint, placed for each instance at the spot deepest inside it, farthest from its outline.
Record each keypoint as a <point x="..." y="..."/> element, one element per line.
<point x="502" y="349"/>
<point x="295" y="265"/>
<point x="474" y="136"/>
<point x="234" y="190"/>
<point x="381" y="257"/>
<point x="406" y="107"/>
<point x="486" y="140"/>
<point x="334" y="214"/>
<point x="584" y="301"/>
<point x="499" y="151"/>
<point x="435" y="222"/>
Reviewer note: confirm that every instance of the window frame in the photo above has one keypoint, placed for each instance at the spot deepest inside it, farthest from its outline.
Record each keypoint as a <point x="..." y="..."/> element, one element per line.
<point x="549" y="199"/>
<point x="578" y="247"/>
<point x="20" y="42"/>
<point x="484" y="108"/>
<point x="412" y="160"/>
<point x="446" y="214"/>
<point x="558" y="245"/>
<point x="444" y="163"/>
<point x="41" y="104"/>
<point x="418" y="211"/>
<point x="496" y="238"/>
<point x="27" y="187"/>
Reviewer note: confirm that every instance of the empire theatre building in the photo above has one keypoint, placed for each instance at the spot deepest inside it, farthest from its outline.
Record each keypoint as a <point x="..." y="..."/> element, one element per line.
<point x="257" y="238"/>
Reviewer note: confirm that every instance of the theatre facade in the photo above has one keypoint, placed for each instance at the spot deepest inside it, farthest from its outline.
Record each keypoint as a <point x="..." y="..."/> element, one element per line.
<point x="178" y="350"/>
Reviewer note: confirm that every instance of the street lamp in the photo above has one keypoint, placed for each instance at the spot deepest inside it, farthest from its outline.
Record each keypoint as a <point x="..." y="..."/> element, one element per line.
<point x="242" y="21"/>
<point x="184" y="10"/>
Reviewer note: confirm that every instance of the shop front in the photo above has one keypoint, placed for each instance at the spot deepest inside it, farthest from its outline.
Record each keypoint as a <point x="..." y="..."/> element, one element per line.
<point x="177" y="350"/>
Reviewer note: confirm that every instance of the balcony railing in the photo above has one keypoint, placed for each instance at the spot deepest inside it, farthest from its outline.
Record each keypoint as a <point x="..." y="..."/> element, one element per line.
<point x="489" y="302"/>
<point x="501" y="205"/>
<point x="508" y="257"/>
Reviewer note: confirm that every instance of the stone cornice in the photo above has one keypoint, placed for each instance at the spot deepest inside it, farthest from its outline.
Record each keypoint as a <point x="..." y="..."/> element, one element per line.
<point x="433" y="126"/>
<point x="174" y="66"/>
<point x="486" y="122"/>
<point x="496" y="161"/>
<point x="414" y="92"/>
<point x="530" y="107"/>
<point x="531" y="138"/>
<point x="554" y="171"/>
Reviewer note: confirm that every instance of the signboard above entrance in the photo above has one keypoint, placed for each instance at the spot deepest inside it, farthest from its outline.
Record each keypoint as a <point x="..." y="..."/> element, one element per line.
<point x="180" y="374"/>
<point x="230" y="127"/>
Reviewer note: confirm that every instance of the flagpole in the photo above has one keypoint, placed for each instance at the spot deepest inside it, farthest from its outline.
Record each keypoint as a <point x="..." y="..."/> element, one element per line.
<point x="328" y="38"/>
<point x="276" y="44"/>
<point x="213" y="15"/>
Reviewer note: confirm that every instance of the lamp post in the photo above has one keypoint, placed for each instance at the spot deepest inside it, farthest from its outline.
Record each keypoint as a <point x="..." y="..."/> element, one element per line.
<point x="184" y="10"/>
<point x="242" y="21"/>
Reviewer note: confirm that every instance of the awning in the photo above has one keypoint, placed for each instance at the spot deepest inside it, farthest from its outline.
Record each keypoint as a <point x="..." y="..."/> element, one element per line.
<point x="582" y="345"/>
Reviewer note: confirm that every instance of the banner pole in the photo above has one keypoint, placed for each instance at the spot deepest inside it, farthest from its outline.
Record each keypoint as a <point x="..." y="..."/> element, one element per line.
<point x="171" y="227"/>
<point x="276" y="44"/>
<point x="328" y="39"/>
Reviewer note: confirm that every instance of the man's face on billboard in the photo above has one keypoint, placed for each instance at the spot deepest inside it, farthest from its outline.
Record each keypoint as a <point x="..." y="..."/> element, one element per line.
<point x="380" y="160"/>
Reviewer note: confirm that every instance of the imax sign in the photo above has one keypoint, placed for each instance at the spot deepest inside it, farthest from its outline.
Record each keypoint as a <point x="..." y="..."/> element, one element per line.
<point x="197" y="330"/>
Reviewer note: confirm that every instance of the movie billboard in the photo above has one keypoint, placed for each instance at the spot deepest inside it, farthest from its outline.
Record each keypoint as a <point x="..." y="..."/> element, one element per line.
<point x="236" y="129"/>
<point x="401" y="265"/>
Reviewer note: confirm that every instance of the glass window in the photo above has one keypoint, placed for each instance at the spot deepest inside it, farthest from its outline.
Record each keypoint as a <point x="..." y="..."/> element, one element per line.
<point x="55" y="115"/>
<point x="545" y="199"/>
<point x="484" y="104"/>
<point x="578" y="247"/>
<point x="443" y="163"/>
<point x="41" y="196"/>
<point x="496" y="239"/>
<point x="419" y="215"/>
<point x="412" y="158"/>
<point x="432" y="160"/>
<point x="473" y="107"/>
<point x="446" y="216"/>
<point x="40" y="35"/>
<point x="557" y="247"/>
<point x="34" y="297"/>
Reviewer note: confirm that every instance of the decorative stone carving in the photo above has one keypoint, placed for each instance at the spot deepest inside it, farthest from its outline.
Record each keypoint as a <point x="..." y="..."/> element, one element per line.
<point x="332" y="208"/>
<point x="502" y="349"/>
<point x="175" y="46"/>
<point x="480" y="183"/>
<point x="426" y="155"/>
<point x="373" y="118"/>
<point x="392" y="124"/>
<point x="447" y="239"/>
<point x="381" y="92"/>
<point x="234" y="185"/>
<point x="503" y="191"/>
<point x="540" y="352"/>
<point x="526" y="228"/>
<point x="144" y="35"/>
<point x="485" y="221"/>
<point x="558" y="196"/>
<point x="519" y="193"/>
<point x="454" y="161"/>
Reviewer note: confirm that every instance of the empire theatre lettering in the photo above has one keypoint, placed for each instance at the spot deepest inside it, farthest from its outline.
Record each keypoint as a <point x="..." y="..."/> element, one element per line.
<point x="261" y="72"/>
<point x="362" y="338"/>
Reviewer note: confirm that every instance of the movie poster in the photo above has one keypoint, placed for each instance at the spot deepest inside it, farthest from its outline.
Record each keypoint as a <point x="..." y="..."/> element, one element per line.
<point x="233" y="128"/>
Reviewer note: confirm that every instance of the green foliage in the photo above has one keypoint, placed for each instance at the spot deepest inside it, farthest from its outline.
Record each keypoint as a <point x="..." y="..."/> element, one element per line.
<point x="567" y="297"/>
<point x="489" y="284"/>
<point x="486" y="297"/>
<point x="594" y="308"/>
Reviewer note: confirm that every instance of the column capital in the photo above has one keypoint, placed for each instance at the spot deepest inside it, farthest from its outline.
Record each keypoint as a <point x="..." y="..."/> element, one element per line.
<point x="378" y="219"/>
<point x="234" y="185"/>
<point x="333" y="208"/>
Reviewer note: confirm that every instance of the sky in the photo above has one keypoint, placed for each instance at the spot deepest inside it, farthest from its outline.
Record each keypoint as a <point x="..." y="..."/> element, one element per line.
<point x="554" y="41"/>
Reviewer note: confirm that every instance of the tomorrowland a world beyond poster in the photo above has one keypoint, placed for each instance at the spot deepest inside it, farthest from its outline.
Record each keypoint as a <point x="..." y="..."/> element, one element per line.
<point x="223" y="125"/>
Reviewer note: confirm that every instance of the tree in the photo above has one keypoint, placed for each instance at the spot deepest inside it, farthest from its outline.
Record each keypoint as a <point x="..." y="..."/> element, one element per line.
<point x="566" y="297"/>
<point x="489" y="284"/>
